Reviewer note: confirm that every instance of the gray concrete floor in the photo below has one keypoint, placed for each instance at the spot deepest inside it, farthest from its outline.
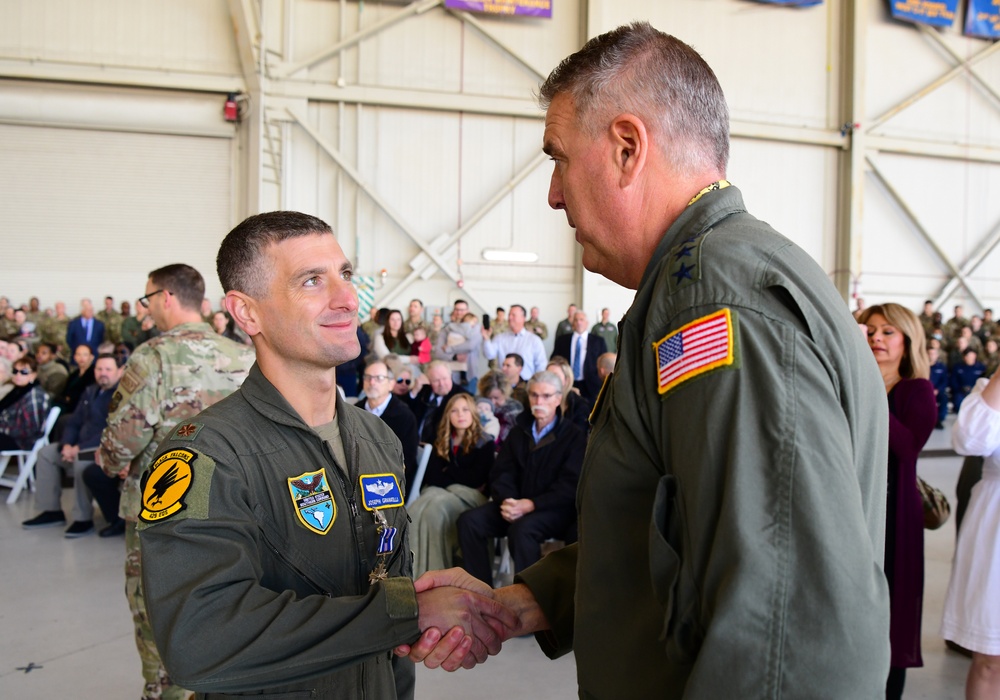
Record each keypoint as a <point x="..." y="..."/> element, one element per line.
<point x="64" y="617"/>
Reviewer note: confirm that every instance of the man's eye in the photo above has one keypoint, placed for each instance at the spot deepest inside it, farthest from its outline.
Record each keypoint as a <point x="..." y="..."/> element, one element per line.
<point x="347" y="275"/>
<point x="312" y="281"/>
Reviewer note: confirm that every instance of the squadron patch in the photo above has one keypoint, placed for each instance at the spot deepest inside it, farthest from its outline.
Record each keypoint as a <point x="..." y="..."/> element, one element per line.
<point x="313" y="501"/>
<point x="380" y="491"/>
<point x="165" y="485"/>
<point x="705" y="344"/>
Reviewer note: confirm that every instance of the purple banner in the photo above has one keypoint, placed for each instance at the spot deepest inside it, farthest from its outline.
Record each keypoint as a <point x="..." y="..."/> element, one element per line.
<point x="982" y="19"/>
<point x="937" y="13"/>
<point x="795" y="3"/>
<point x="525" y="8"/>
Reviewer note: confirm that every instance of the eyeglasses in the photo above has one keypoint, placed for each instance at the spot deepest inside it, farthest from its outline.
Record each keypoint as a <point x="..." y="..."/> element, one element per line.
<point x="541" y="397"/>
<point x="24" y="371"/>
<point x="407" y="382"/>
<point x="375" y="377"/>
<point x="144" y="301"/>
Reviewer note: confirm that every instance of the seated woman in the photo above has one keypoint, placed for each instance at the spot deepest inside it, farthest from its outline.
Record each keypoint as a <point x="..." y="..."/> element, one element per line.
<point x="574" y="407"/>
<point x="23" y="410"/>
<point x="454" y="482"/>
<point x="392" y="339"/>
<point x="494" y="386"/>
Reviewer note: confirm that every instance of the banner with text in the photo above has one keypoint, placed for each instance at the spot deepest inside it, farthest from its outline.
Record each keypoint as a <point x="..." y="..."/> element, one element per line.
<point x="525" y="8"/>
<point x="937" y="13"/>
<point x="982" y="19"/>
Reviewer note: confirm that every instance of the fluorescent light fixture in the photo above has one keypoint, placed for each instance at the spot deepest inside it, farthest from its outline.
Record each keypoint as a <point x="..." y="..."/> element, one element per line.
<point x="509" y="256"/>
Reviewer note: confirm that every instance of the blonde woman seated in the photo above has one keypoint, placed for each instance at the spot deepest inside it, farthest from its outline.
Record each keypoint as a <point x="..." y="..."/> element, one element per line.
<point x="454" y="482"/>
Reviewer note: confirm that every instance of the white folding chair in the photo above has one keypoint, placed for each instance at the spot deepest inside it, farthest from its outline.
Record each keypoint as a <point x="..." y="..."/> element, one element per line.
<point x="423" y="457"/>
<point x="25" y="460"/>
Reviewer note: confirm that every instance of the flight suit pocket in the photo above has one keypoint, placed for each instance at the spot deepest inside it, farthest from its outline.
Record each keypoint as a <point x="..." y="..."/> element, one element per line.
<point x="674" y="588"/>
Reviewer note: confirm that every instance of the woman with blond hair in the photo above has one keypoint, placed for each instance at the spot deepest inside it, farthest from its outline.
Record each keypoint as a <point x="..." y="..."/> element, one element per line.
<point x="896" y="338"/>
<point x="454" y="482"/>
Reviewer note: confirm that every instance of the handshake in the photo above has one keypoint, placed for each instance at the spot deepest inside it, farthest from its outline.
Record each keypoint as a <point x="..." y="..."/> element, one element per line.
<point x="463" y="620"/>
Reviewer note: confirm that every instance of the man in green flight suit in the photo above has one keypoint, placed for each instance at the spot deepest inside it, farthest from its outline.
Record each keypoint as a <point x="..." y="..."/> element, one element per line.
<point x="276" y="557"/>
<point x="732" y="498"/>
<point x="167" y="380"/>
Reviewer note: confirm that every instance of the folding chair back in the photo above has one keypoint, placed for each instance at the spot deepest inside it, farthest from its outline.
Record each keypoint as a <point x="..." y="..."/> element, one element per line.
<point x="26" y="460"/>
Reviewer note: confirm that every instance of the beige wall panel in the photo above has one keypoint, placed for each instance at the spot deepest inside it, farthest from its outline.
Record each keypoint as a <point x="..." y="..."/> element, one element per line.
<point x="180" y="35"/>
<point x="956" y="203"/>
<point x="89" y="213"/>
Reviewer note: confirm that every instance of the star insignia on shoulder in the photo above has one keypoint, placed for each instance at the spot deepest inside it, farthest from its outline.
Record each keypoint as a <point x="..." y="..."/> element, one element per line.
<point x="683" y="272"/>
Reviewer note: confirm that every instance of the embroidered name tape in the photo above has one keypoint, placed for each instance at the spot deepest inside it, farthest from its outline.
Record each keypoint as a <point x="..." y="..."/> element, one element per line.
<point x="165" y="485"/>
<point x="380" y="491"/>
<point x="314" y="504"/>
<point x="701" y="346"/>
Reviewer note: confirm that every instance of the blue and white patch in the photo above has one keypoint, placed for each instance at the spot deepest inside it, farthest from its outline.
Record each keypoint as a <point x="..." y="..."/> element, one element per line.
<point x="380" y="491"/>
<point x="314" y="504"/>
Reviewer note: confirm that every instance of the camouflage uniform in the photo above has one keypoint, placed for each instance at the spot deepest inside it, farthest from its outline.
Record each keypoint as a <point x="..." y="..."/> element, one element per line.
<point x="53" y="330"/>
<point x="112" y="321"/>
<point x="168" y="379"/>
<point x="409" y="325"/>
<point x="538" y="328"/>
<point x="8" y="328"/>
<point x="133" y="334"/>
<point x="498" y="327"/>
<point x="53" y="377"/>
<point x="371" y="329"/>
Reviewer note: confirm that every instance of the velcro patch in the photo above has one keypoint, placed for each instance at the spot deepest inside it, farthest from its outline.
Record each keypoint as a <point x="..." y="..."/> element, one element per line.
<point x="705" y="344"/>
<point x="187" y="431"/>
<point x="165" y="484"/>
<point x="380" y="491"/>
<point x="313" y="501"/>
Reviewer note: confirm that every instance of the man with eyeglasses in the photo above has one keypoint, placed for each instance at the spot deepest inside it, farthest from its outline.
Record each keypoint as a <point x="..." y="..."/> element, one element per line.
<point x="532" y="485"/>
<point x="167" y="381"/>
<point x="378" y="381"/>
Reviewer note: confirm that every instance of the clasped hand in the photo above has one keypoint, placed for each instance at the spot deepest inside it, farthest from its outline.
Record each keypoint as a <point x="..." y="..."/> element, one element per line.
<point x="476" y="623"/>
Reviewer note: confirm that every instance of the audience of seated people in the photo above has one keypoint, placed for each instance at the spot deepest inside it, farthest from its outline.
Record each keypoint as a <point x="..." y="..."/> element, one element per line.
<point x="532" y="485"/>
<point x="495" y="388"/>
<point x="454" y="482"/>
<point x="74" y="453"/>
<point x="379" y="400"/>
<point x="581" y="349"/>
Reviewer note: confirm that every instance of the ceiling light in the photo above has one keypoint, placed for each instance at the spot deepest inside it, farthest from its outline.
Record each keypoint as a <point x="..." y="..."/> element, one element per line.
<point x="509" y="256"/>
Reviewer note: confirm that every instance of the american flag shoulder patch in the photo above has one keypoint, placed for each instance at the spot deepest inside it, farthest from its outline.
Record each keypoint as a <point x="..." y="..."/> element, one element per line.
<point x="705" y="344"/>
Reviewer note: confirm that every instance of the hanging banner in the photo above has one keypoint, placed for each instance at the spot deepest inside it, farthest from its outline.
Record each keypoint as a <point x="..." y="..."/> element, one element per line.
<point x="982" y="19"/>
<point x="936" y="13"/>
<point x="525" y="8"/>
<point x="795" y="3"/>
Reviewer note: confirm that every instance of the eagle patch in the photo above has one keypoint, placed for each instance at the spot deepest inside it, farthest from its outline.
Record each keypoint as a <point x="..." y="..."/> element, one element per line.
<point x="165" y="484"/>
<point x="313" y="502"/>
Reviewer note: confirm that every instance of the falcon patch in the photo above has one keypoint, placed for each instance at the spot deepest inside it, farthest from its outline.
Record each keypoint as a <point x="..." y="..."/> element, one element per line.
<point x="165" y="484"/>
<point x="380" y="491"/>
<point x="313" y="501"/>
<point x="705" y="344"/>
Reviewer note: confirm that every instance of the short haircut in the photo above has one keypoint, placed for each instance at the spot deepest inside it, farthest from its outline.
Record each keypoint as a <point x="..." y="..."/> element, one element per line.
<point x="376" y="361"/>
<point x="26" y="361"/>
<point x="494" y="379"/>
<point x="606" y="361"/>
<point x="107" y="356"/>
<point x="518" y="306"/>
<point x="500" y="308"/>
<point x="183" y="281"/>
<point x="240" y="261"/>
<point x="546" y="377"/>
<point x="657" y="77"/>
<point x="518" y="360"/>
<point x="459" y="301"/>
<point x="51" y="346"/>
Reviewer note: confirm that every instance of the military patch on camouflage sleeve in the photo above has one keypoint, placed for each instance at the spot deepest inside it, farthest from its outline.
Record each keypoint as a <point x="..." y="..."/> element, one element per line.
<point x="165" y="484"/>
<point x="131" y="380"/>
<point x="116" y="401"/>
<point x="684" y="262"/>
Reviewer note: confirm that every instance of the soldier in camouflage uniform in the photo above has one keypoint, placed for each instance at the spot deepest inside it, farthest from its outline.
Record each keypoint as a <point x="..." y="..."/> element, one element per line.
<point x="112" y="321"/>
<point x="416" y="317"/>
<point x="9" y="327"/>
<point x="536" y="326"/>
<point x="137" y="329"/>
<point x="168" y="379"/>
<point x="52" y="329"/>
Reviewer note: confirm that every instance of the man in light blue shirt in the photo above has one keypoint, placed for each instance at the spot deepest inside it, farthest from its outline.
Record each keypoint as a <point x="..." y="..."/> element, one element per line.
<point x="516" y="340"/>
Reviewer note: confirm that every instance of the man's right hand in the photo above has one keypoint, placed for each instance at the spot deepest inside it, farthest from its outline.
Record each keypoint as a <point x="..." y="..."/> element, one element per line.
<point x="69" y="452"/>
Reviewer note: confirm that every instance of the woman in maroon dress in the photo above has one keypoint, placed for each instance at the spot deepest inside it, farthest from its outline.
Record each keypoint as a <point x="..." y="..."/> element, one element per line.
<point x="897" y="341"/>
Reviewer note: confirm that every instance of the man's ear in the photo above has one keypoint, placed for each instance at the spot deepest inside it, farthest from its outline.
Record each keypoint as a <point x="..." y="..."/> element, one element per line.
<point x="631" y="143"/>
<point x="243" y="309"/>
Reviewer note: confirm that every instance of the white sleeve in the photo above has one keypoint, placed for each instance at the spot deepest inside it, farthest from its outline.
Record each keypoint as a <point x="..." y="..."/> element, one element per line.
<point x="977" y="428"/>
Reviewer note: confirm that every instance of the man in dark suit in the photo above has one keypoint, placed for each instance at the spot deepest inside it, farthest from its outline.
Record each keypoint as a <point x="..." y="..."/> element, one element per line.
<point x="429" y="402"/>
<point x="85" y="329"/>
<point x="378" y="381"/>
<point x="582" y="349"/>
